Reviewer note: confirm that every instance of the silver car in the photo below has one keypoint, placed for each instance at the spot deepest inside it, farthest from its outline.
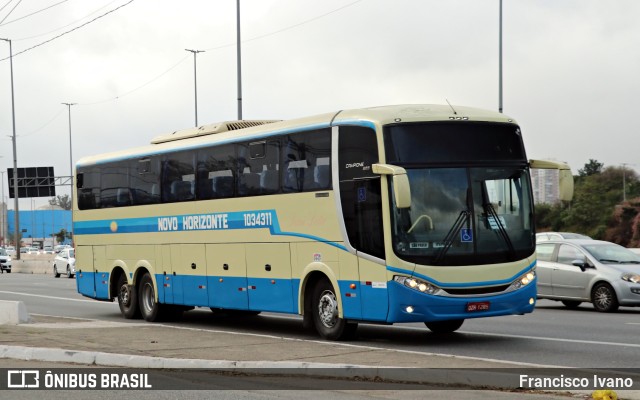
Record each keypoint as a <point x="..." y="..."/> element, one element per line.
<point x="544" y="236"/>
<point x="580" y="270"/>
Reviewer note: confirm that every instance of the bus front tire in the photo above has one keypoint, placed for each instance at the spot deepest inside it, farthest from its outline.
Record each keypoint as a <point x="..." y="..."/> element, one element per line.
<point x="127" y="299"/>
<point x="325" y="314"/>
<point x="444" y="326"/>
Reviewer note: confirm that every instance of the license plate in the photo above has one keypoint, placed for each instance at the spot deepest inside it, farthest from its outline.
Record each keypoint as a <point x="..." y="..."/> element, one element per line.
<point x="478" y="306"/>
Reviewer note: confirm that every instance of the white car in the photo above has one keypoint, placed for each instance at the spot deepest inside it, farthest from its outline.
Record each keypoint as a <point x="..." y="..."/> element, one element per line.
<point x="65" y="263"/>
<point x="5" y="261"/>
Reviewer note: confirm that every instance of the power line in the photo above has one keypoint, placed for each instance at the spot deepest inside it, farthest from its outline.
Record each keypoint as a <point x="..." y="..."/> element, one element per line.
<point x="14" y="7"/>
<point x="217" y="48"/>
<point x="139" y="87"/>
<point x="64" y="26"/>
<point x="288" y="27"/>
<point x="71" y="30"/>
<point x="3" y="7"/>
<point x="184" y="58"/>
<point x="45" y="125"/>
<point x="33" y="13"/>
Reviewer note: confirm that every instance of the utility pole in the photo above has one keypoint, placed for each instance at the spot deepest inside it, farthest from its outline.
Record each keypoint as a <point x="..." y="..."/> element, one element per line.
<point x="500" y="63"/>
<point x="195" y="79"/>
<point x="16" y="192"/>
<point x="70" y="162"/>
<point x="624" y="184"/>
<point x="239" y="62"/>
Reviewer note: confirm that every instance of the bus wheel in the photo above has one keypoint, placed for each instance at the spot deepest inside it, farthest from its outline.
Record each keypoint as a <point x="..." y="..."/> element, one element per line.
<point x="127" y="299"/>
<point x="325" y="314"/>
<point x="444" y="326"/>
<point x="149" y="307"/>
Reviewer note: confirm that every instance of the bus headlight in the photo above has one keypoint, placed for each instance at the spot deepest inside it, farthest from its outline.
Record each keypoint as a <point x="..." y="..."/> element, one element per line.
<point x="523" y="280"/>
<point x="416" y="284"/>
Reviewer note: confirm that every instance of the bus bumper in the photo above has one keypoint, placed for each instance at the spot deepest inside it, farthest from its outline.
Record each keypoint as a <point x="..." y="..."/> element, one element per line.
<point x="408" y="305"/>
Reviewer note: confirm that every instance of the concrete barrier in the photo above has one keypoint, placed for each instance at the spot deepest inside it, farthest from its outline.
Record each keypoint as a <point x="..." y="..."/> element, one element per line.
<point x="13" y="313"/>
<point x="33" y="264"/>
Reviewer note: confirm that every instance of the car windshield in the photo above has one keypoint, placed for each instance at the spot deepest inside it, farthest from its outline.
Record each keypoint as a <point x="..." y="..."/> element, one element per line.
<point x="612" y="254"/>
<point x="574" y="236"/>
<point x="3" y="252"/>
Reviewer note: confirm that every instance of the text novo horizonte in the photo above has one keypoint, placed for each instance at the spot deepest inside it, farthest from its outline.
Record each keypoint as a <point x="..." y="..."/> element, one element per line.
<point x="193" y="222"/>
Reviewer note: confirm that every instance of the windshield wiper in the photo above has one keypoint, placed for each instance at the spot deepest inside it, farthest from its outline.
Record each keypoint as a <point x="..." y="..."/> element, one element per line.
<point x="491" y="214"/>
<point x="606" y="260"/>
<point x="463" y="218"/>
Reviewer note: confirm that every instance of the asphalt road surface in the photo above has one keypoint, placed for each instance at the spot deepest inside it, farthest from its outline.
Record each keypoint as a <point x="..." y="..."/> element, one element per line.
<point x="551" y="336"/>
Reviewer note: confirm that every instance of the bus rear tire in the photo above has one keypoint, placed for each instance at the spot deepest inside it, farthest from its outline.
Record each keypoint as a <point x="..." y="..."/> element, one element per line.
<point x="444" y="326"/>
<point x="127" y="299"/>
<point x="150" y="309"/>
<point x="325" y="314"/>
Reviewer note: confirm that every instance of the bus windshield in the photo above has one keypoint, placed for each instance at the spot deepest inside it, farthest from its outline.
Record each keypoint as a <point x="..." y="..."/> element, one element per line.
<point x="472" y="214"/>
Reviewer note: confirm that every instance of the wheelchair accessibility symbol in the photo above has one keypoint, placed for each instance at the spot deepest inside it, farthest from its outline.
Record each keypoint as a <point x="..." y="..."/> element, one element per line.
<point x="466" y="235"/>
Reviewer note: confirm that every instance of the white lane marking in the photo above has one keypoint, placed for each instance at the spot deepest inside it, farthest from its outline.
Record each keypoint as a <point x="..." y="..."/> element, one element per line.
<point x="54" y="297"/>
<point x="544" y="338"/>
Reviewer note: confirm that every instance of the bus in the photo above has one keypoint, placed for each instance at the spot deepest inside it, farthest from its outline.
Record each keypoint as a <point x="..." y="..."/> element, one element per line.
<point x="406" y="213"/>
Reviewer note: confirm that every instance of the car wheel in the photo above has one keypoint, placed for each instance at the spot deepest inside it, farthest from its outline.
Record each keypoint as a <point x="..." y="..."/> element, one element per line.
<point x="55" y="272"/>
<point x="604" y="298"/>
<point x="572" y="304"/>
<point x="127" y="299"/>
<point x="69" y="274"/>
<point x="444" y="326"/>
<point x="326" y="314"/>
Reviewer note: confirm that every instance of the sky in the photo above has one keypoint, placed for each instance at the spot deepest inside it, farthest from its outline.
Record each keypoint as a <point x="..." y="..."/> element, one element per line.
<point x="571" y="69"/>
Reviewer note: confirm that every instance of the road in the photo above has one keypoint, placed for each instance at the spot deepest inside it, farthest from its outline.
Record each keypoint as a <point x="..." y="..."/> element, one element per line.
<point x="551" y="336"/>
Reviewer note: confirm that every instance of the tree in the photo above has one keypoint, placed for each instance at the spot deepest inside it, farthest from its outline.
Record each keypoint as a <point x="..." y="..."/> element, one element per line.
<point x="62" y="235"/>
<point x="593" y="167"/>
<point x="11" y="237"/>
<point x="63" y="202"/>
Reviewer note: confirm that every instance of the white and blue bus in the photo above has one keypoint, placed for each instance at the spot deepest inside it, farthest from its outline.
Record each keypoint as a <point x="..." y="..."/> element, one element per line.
<point x="410" y="213"/>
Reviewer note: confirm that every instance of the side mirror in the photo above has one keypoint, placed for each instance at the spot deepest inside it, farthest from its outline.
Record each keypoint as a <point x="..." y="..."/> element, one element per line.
<point x="564" y="174"/>
<point x="401" y="188"/>
<point x="580" y="263"/>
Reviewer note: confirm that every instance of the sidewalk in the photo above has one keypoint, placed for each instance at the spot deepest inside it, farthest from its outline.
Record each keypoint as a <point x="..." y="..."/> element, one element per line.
<point x="148" y="346"/>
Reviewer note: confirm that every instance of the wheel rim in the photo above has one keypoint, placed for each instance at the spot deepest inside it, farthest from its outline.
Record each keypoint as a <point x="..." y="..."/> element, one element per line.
<point x="125" y="296"/>
<point x="328" y="309"/>
<point x="602" y="298"/>
<point x="148" y="298"/>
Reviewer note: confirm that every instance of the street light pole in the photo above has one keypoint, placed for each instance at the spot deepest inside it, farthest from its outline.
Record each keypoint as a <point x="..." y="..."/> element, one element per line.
<point x="2" y="211"/>
<point x="70" y="161"/>
<point x="195" y="79"/>
<point x="239" y="51"/>
<point x="500" y="63"/>
<point x="16" y="192"/>
<point x="70" y="147"/>
<point x="624" y="188"/>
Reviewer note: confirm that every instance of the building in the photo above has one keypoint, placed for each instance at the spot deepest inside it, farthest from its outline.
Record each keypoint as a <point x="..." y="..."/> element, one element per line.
<point x="546" y="185"/>
<point x="37" y="225"/>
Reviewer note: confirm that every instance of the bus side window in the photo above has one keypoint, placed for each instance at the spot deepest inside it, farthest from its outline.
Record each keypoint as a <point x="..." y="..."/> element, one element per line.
<point x="307" y="161"/>
<point x="178" y="177"/>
